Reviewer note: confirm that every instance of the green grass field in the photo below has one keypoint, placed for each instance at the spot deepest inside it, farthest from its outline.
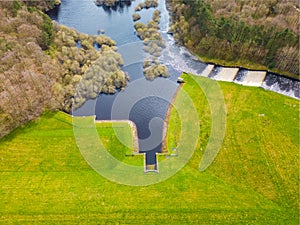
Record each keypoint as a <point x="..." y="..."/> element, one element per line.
<point x="254" y="179"/>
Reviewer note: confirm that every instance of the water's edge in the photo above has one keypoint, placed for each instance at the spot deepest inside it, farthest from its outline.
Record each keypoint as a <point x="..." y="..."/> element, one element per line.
<point x="118" y="25"/>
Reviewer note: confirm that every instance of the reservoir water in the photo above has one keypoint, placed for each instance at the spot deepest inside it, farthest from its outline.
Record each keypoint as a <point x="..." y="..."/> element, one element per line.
<point x="148" y="112"/>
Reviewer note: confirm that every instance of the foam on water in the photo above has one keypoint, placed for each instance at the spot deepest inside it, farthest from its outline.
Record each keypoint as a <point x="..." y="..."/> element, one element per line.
<point x="282" y="85"/>
<point x="240" y="76"/>
<point x="215" y="71"/>
<point x="180" y="58"/>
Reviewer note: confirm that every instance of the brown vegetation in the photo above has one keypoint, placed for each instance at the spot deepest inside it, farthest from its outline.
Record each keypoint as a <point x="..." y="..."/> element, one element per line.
<point x="27" y="73"/>
<point x="76" y="64"/>
<point x="136" y="17"/>
<point x="153" y="44"/>
<point x="42" y="64"/>
<point x="281" y="14"/>
<point x="104" y="75"/>
<point x="106" y="2"/>
<point x="249" y="33"/>
<point x="43" y="5"/>
<point x="146" y="5"/>
<point x="153" y="69"/>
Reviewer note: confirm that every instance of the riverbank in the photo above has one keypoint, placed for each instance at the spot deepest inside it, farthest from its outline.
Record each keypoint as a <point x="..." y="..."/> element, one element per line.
<point x="183" y="60"/>
<point x="245" y="65"/>
<point x="165" y="148"/>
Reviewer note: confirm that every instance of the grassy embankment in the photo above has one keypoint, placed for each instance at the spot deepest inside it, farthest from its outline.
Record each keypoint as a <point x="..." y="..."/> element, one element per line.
<point x="261" y="145"/>
<point x="44" y="178"/>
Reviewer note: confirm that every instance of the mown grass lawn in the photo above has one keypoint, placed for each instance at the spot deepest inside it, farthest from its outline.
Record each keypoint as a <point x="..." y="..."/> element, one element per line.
<point x="254" y="179"/>
<point x="260" y="151"/>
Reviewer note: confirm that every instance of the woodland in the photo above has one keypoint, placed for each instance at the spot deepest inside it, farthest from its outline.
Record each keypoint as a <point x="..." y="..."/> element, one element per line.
<point x="258" y="34"/>
<point x="47" y="66"/>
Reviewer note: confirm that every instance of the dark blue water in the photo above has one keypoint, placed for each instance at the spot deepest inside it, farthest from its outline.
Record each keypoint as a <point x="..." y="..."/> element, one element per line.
<point x="149" y="106"/>
<point x="148" y="112"/>
<point x="86" y="17"/>
<point x="117" y="22"/>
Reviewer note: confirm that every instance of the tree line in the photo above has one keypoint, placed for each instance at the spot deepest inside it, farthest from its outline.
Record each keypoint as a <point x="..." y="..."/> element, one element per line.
<point x="240" y="33"/>
<point x="44" y="65"/>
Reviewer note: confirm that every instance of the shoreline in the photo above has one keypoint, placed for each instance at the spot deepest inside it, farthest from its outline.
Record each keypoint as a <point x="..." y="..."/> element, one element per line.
<point x="164" y="148"/>
<point x="242" y="66"/>
<point x="231" y="64"/>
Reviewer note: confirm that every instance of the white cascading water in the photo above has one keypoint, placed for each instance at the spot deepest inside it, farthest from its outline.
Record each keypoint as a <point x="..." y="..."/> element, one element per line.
<point x="182" y="60"/>
<point x="282" y="85"/>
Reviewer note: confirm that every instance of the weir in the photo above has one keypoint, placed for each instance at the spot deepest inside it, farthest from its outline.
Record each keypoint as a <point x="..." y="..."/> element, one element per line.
<point x="227" y="74"/>
<point x="254" y="78"/>
<point x="207" y="70"/>
<point x="282" y="85"/>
